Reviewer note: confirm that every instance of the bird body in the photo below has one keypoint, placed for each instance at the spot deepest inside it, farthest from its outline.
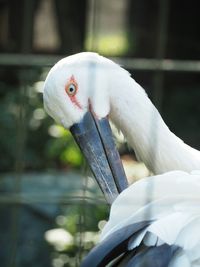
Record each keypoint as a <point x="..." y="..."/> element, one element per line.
<point x="170" y="214"/>
<point x="155" y="197"/>
<point x="158" y="215"/>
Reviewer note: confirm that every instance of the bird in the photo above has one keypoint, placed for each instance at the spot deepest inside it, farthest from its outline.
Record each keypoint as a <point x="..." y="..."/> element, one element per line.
<point x="81" y="92"/>
<point x="98" y="82"/>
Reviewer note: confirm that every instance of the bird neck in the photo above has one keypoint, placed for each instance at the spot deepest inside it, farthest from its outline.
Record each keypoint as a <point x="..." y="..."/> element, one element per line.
<point x="140" y="122"/>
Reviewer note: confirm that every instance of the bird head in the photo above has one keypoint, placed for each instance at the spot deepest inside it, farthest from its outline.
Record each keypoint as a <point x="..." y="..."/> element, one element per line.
<point x="75" y="85"/>
<point x="76" y="95"/>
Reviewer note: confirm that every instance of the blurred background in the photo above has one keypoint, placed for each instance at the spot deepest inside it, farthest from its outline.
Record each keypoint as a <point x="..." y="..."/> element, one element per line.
<point x="51" y="210"/>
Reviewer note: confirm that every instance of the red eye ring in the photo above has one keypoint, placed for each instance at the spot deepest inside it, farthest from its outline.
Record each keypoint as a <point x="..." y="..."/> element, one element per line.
<point x="71" y="87"/>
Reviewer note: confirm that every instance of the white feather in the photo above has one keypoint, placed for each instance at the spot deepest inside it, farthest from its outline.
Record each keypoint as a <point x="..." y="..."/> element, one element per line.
<point x="189" y="236"/>
<point x="135" y="241"/>
<point x="154" y="196"/>
<point x="173" y="207"/>
<point x="180" y="260"/>
<point x="194" y="254"/>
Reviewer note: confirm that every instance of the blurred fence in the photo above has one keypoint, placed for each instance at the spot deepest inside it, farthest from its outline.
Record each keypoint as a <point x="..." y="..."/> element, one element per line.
<point x="142" y="64"/>
<point x="34" y="198"/>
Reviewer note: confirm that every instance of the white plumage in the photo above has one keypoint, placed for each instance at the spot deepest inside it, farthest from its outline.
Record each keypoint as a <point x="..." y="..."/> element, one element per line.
<point x="174" y="208"/>
<point x="170" y="200"/>
<point x="113" y="92"/>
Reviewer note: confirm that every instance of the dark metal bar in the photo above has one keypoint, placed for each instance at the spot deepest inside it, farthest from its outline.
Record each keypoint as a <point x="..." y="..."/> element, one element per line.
<point x="27" y="29"/>
<point x="162" y="33"/>
<point x="167" y="65"/>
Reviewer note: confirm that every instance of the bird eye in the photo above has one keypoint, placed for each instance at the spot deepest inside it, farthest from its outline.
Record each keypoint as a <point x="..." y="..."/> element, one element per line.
<point x="71" y="89"/>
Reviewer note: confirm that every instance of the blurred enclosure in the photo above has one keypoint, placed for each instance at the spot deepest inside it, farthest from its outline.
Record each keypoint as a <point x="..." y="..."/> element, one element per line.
<point x="51" y="210"/>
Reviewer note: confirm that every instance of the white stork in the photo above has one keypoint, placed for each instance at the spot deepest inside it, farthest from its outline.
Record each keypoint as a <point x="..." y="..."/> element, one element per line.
<point x="162" y="229"/>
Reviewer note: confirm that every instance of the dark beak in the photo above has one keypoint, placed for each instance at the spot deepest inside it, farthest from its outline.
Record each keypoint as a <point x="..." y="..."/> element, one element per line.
<point x="95" y="140"/>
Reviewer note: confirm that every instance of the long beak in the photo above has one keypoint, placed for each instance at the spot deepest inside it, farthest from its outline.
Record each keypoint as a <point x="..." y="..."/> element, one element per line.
<point x="95" y="140"/>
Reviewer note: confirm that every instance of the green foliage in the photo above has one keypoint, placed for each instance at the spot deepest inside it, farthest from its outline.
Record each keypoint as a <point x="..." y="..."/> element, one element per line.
<point x="31" y="142"/>
<point x="82" y="223"/>
<point x="63" y="148"/>
<point x="109" y="45"/>
<point x="89" y="213"/>
<point x="28" y="136"/>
